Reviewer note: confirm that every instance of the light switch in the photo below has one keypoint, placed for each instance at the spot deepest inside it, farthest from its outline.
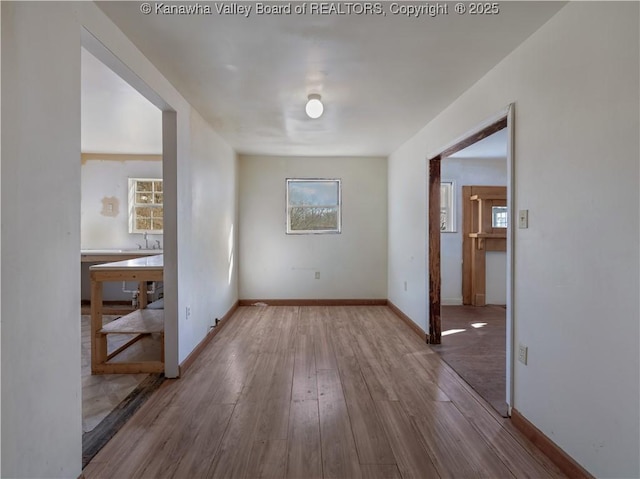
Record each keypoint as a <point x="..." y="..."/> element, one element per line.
<point x="523" y="219"/>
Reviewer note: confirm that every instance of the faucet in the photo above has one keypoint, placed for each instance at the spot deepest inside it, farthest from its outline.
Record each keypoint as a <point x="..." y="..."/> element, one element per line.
<point x="146" y="241"/>
<point x="157" y="245"/>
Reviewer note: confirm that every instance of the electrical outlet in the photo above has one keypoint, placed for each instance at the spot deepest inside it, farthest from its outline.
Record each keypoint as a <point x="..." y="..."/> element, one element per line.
<point x="188" y="312"/>
<point x="317" y="274"/>
<point x="522" y="353"/>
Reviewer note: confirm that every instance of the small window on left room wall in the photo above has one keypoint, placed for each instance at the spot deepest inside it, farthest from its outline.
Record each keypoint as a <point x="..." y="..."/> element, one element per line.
<point x="447" y="207"/>
<point x="145" y="205"/>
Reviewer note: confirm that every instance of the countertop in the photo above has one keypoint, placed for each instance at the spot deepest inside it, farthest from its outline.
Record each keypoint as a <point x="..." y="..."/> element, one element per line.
<point x="107" y="255"/>
<point x="143" y="263"/>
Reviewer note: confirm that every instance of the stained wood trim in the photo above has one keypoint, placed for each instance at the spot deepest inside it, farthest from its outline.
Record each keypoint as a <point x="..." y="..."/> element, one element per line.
<point x="84" y="157"/>
<point x="315" y="302"/>
<point x="408" y="321"/>
<point x="435" y="326"/>
<point x="467" y="221"/>
<point x="490" y="197"/>
<point x="566" y="463"/>
<point x="479" y="236"/>
<point x="485" y="132"/>
<point x="189" y="360"/>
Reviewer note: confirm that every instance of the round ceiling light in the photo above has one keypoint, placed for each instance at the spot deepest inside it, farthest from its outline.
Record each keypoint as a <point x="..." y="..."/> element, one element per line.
<point x="314" y="107"/>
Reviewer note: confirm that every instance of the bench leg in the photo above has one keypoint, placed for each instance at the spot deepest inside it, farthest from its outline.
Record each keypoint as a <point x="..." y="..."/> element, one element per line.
<point x="142" y="297"/>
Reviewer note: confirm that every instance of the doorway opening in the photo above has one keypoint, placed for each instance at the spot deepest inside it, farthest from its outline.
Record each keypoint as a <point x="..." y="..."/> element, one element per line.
<point x="127" y="214"/>
<point x="470" y="257"/>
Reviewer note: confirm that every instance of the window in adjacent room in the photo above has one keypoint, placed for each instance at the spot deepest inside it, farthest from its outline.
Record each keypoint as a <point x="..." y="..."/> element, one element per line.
<point x="447" y="207"/>
<point x="499" y="217"/>
<point x="313" y="206"/>
<point x="145" y="205"/>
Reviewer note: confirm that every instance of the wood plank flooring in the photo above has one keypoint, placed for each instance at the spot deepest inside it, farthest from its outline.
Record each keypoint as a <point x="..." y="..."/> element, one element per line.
<point x="475" y="348"/>
<point x="318" y="392"/>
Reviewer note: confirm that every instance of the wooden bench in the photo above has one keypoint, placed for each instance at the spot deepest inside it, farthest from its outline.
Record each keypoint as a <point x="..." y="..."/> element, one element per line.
<point x="141" y="322"/>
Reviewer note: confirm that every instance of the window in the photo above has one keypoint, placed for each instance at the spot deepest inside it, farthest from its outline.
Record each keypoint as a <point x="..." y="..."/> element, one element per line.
<point x="447" y="207"/>
<point x="313" y="206"/>
<point x="145" y="205"/>
<point x="499" y="217"/>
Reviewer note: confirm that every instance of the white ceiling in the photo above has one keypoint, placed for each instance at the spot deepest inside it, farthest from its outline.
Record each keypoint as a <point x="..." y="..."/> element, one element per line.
<point x="493" y="146"/>
<point x="381" y="78"/>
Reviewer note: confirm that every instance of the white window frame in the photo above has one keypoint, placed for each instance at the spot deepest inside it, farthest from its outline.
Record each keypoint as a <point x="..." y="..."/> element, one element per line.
<point x="447" y="206"/>
<point x="338" y="206"/>
<point x="133" y="205"/>
<point x="499" y="210"/>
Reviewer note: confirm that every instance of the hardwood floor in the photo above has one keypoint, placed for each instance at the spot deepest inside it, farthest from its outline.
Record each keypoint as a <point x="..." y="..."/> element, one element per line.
<point x="318" y="392"/>
<point x="474" y="344"/>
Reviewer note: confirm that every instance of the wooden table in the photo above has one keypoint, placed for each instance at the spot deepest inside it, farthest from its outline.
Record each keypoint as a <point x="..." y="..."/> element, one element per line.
<point x="141" y="322"/>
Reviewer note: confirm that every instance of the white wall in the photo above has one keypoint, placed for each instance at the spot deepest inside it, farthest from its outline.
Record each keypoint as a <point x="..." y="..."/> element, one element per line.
<point x="41" y="406"/>
<point x="575" y="85"/>
<point x="208" y="215"/>
<point x="352" y="264"/>
<point x="41" y="50"/>
<point x="465" y="172"/>
<point x="107" y="179"/>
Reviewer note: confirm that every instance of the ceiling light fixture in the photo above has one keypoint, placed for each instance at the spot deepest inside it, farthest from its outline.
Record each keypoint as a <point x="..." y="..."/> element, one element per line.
<point x="314" y="107"/>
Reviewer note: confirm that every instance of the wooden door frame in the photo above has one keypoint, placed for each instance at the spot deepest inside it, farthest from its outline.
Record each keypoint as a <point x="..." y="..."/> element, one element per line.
<point x="503" y="119"/>
<point x="474" y="249"/>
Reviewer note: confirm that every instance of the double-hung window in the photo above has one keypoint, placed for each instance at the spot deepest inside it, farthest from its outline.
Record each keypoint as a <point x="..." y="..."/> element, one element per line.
<point x="145" y="205"/>
<point x="313" y="206"/>
<point x="447" y="207"/>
